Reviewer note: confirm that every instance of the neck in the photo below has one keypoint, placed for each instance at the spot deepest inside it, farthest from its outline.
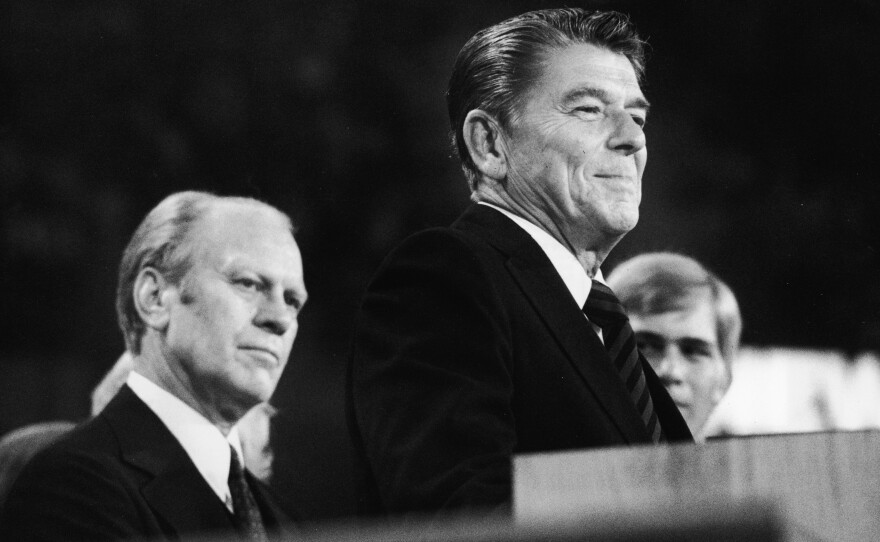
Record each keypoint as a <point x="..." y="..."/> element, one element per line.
<point x="169" y="376"/>
<point x="589" y="248"/>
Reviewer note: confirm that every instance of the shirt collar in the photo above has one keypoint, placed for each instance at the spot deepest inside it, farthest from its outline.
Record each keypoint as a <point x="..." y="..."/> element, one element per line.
<point x="203" y="442"/>
<point x="569" y="268"/>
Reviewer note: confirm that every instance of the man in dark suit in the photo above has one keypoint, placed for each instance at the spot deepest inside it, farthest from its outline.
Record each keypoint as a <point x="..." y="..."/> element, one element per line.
<point x="477" y="341"/>
<point x="208" y="297"/>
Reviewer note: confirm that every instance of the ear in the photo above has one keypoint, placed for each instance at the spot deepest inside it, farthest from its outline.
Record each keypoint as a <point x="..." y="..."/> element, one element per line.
<point x="485" y="143"/>
<point x="151" y="298"/>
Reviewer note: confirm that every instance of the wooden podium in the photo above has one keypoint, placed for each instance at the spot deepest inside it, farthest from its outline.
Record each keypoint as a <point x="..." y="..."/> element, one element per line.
<point x="821" y="486"/>
<point x="791" y="488"/>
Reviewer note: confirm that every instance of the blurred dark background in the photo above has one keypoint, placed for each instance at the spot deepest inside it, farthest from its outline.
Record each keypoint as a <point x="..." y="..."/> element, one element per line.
<point x="763" y="164"/>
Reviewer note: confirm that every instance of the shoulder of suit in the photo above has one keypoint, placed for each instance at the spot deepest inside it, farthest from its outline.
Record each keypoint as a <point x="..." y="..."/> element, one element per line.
<point x="438" y="244"/>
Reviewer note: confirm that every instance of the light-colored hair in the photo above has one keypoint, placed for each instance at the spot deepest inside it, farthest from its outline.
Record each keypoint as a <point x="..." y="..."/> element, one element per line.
<point x="497" y="65"/>
<point x="162" y="241"/>
<point x="659" y="282"/>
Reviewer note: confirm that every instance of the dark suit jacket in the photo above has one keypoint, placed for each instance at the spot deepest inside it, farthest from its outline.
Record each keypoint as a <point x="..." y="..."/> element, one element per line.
<point x="468" y="349"/>
<point x="121" y="475"/>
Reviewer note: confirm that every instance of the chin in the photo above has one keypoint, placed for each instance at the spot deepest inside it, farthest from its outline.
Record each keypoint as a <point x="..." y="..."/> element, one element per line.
<point x="617" y="231"/>
<point x="250" y="395"/>
<point x="262" y="393"/>
<point x="622" y="223"/>
<point x="258" y="381"/>
<point x="628" y="221"/>
<point x="685" y="413"/>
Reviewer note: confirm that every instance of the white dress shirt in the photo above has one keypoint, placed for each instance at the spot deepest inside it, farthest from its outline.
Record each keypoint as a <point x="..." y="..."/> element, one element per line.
<point x="569" y="268"/>
<point x="203" y="442"/>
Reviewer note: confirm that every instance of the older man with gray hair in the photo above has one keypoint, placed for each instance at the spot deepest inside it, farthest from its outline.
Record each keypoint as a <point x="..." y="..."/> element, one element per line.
<point x="496" y="336"/>
<point x="208" y="297"/>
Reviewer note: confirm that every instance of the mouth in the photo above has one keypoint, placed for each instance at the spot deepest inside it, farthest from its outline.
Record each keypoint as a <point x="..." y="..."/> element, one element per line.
<point x="268" y="355"/>
<point x="619" y="176"/>
<point x="682" y="405"/>
<point x="677" y="399"/>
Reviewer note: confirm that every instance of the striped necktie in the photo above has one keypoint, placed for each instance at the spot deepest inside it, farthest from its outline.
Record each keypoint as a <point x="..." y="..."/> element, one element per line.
<point x="246" y="513"/>
<point x="604" y="309"/>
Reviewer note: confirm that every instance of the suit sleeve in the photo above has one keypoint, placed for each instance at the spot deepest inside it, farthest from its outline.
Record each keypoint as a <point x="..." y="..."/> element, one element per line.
<point x="64" y="496"/>
<point x="431" y="384"/>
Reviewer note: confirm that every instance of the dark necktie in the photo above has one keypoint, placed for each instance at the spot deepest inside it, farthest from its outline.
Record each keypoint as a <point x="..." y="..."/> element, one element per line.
<point x="246" y="513"/>
<point x="604" y="309"/>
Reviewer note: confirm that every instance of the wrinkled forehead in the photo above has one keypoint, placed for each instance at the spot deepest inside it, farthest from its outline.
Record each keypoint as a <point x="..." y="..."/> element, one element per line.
<point x="235" y="225"/>
<point x="587" y="60"/>
<point x="244" y="211"/>
<point x="564" y="74"/>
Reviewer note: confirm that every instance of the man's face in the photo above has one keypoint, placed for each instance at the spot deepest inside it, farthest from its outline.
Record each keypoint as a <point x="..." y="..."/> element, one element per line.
<point x="682" y="348"/>
<point x="233" y="318"/>
<point x="577" y="149"/>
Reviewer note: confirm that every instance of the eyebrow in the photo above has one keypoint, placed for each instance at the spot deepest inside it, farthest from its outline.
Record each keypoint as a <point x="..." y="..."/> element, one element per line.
<point x="639" y="102"/>
<point x="647" y="335"/>
<point x="694" y="341"/>
<point x="301" y="295"/>
<point x="656" y="337"/>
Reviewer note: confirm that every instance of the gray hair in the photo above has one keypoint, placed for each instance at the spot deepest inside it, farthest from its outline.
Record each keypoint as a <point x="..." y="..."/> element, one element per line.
<point x="161" y="241"/>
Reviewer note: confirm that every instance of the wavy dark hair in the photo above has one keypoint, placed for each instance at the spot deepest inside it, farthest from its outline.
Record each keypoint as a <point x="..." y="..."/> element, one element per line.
<point x="496" y="66"/>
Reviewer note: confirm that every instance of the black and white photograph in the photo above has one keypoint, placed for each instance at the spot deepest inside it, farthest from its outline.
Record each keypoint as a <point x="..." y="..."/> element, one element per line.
<point x="411" y="270"/>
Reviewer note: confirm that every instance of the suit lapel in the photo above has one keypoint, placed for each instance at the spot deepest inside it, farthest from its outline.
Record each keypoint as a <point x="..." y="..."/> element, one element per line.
<point x="181" y="497"/>
<point x="174" y="488"/>
<point x="547" y="293"/>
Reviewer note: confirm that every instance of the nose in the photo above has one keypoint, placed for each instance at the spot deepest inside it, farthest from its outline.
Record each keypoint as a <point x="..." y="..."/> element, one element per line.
<point x="670" y="366"/>
<point x="274" y="314"/>
<point x="628" y="137"/>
